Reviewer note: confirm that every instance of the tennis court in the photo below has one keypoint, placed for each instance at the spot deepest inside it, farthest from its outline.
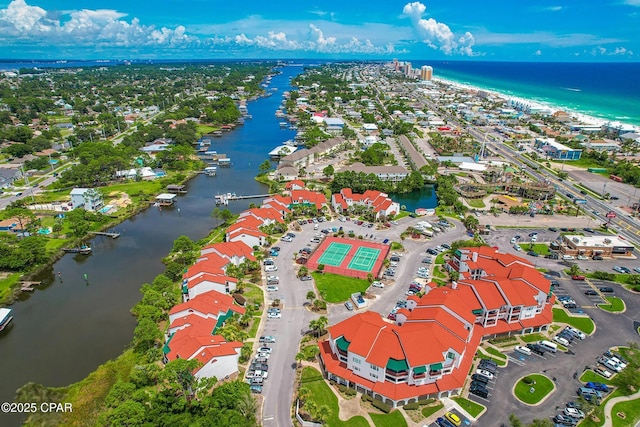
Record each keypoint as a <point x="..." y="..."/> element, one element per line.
<point x="364" y="259"/>
<point x="335" y="254"/>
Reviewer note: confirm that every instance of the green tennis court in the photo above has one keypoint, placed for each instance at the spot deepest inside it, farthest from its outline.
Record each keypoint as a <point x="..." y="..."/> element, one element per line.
<point x="334" y="254"/>
<point x="364" y="259"/>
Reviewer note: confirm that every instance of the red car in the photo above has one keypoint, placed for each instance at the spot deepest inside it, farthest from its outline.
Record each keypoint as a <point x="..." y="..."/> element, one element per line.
<point x="578" y="277"/>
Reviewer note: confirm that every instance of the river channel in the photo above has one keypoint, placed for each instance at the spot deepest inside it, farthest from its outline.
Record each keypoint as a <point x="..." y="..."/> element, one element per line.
<point x="69" y="325"/>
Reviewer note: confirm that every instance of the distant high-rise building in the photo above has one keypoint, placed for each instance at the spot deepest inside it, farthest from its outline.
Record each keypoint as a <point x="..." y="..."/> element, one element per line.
<point x="426" y="72"/>
<point x="407" y="69"/>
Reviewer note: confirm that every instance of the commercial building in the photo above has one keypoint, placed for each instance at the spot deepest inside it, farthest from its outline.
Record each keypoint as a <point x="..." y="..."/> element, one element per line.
<point x="605" y="246"/>
<point x="555" y="150"/>
<point x="428" y="351"/>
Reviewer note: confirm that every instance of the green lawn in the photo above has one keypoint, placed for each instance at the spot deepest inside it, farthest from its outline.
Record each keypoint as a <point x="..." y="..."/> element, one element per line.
<point x="631" y="411"/>
<point x="589" y="375"/>
<point x="7" y="283"/>
<point x="253" y="331"/>
<point x="254" y="294"/>
<point x="542" y="388"/>
<point x="584" y="324"/>
<point x="439" y="259"/>
<point x="427" y="411"/>
<point x="495" y="352"/>
<point x="599" y="411"/>
<point x="392" y="419"/>
<point x="533" y="337"/>
<point x="204" y="129"/>
<point x="310" y="352"/>
<point x="321" y="394"/>
<point x="483" y="355"/>
<point x="616" y="305"/>
<point x="438" y="273"/>
<point x="539" y="248"/>
<point x="474" y="409"/>
<point x="401" y="215"/>
<point x="476" y="203"/>
<point x="336" y="288"/>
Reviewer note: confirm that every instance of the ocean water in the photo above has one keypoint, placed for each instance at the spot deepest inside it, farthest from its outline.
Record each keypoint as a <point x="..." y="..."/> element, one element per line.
<point x="608" y="91"/>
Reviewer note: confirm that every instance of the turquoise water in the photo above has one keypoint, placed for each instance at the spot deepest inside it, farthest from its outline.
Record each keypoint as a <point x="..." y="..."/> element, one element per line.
<point x="606" y="91"/>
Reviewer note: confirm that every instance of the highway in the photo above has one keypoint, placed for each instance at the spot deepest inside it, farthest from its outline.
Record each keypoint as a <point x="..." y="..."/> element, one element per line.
<point x="626" y="225"/>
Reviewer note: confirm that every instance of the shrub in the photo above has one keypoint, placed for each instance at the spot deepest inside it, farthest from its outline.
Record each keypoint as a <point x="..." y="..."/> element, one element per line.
<point x="346" y="390"/>
<point x="381" y="405"/>
<point x="528" y="380"/>
<point x="426" y="401"/>
<point x="603" y="275"/>
<point x="411" y="406"/>
<point x="366" y="398"/>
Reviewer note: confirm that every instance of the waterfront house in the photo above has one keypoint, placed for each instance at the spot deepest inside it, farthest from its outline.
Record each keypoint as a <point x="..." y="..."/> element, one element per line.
<point x="207" y="276"/>
<point x="296" y="184"/>
<point x="379" y="202"/>
<point x="390" y="173"/>
<point x="219" y="358"/>
<point x="207" y="305"/>
<point x="88" y="198"/>
<point x="265" y="214"/>
<point x="234" y="252"/>
<point x="286" y="173"/>
<point x="249" y="236"/>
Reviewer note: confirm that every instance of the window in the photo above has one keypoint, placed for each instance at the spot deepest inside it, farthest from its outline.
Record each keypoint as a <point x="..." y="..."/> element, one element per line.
<point x="374" y="376"/>
<point x="451" y="355"/>
<point x="374" y="368"/>
<point x="356" y="360"/>
<point x="355" y="368"/>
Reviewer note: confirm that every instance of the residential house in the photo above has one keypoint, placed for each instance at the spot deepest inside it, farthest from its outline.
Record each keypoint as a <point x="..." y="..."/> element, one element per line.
<point x="384" y="173"/>
<point x="88" y="198"/>
<point x="234" y="252"/>
<point x="296" y="184"/>
<point x="379" y="202"/>
<point x="208" y="305"/>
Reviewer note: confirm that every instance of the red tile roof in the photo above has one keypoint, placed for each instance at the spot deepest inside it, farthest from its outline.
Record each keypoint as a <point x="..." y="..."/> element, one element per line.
<point x="230" y="249"/>
<point x="210" y="277"/>
<point x="297" y="182"/>
<point x="184" y="345"/>
<point x="209" y="263"/>
<point x="211" y="302"/>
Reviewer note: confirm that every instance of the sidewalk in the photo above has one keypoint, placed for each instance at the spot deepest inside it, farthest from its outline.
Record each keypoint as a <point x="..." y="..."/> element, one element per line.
<point x="608" y="422"/>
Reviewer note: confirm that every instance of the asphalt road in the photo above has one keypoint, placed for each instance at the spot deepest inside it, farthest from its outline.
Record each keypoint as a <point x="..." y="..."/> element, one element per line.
<point x="611" y="330"/>
<point x="288" y="330"/>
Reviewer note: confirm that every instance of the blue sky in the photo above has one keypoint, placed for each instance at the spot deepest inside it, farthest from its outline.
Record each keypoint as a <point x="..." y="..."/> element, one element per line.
<point x="563" y="30"/>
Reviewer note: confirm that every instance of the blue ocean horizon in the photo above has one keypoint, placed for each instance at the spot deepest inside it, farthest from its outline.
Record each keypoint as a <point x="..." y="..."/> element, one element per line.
<point x="607" y="91"/>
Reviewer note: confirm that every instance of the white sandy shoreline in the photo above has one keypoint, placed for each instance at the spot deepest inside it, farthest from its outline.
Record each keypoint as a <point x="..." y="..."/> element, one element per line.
<point x="578" y="116"/>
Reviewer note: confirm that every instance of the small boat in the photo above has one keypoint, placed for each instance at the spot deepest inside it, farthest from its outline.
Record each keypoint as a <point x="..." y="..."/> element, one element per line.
<point x="224" y="162"/>
<point x="217" y="133"/>
<point x="210" y="170"/>
<point x="5" y="318"/>
<point x="84" y="250"/>
<point x="283" y="124"/>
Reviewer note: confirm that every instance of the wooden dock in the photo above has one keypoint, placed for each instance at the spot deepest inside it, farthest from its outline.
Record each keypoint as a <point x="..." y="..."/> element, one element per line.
<point x="28" y="286"/>
<point x="252" y="196"/>
<point x="105" y="233"/>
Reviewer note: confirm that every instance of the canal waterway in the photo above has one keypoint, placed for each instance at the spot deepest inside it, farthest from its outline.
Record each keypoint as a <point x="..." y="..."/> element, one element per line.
<point x="69" y="325"/>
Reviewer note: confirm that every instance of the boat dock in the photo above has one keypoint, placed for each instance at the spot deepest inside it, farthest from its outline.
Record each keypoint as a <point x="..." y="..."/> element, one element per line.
<point x="28" y="286"/>
<point x="165" y="199"/>
<point x="84" y="250"/>
<point x="105" y="233"/>
<point x="176" y="189"/>
<point x="224" y="199"/>
<point x="281" y="151"/>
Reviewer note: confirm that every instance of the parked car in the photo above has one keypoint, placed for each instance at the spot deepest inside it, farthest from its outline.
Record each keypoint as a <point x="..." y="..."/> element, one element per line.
<point x="606" y="290"/>
<point x="597" y="258"/>
<point x="485" y="373"/>
<point x="305" y="278"/>
<point x="267" y="339"/>
<point x="597" y="386"/>
<point x="378" y="284"/>
<point x="565" y="420"/>
<point x="480" y="378"/>
<point x="349" y="305"/>
<point x="272" y="288"/>
<point x="443" y="422"/>
<point x="590" y="292"/>
<point x="274" y="315"/>
<point x="256" y="389"/>
<point x="453" y="418"/>
<point x="603" y="372"/>
<point x="573" y="412"/>
<point x="478" y="390"/>
<point x="578" y="277"/>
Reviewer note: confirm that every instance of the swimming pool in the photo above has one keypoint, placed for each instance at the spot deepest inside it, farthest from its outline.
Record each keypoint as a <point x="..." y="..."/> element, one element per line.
<point x="105" y="209"/>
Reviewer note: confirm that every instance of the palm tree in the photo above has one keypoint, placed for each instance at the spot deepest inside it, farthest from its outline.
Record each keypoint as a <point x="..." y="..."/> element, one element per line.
<point x="574" y="269"/>
<point x="323" y="413"/>
<point x="322" y="323"/>
<point x="299" y="359"/>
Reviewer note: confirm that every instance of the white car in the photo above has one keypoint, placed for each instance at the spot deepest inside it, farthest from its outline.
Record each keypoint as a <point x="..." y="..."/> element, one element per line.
<point x="270" y="268"/>
<point x="484" y="373"/>
<point x="377" y="284"/>
<point x="265" y="350"/>
<point x="274" y="315"/>
<point x="523" y="350"/>
<point x="287" y="239"/>
<point x="582" y="258"/>
<point x="264" y="355"/>
<point x="273" y="279"/>
<point x="272" y="288"/>
<point x="581" y="335"/>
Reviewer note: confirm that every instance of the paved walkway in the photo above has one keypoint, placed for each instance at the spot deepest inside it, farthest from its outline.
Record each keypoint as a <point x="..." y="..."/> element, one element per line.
<point x="608" y="407"/>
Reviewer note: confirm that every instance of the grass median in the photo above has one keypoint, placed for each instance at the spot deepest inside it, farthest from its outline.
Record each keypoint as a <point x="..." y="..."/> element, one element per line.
<point x="585" y="324"/>
<point x="616" y="305"/>
<point x="532" y="393"/>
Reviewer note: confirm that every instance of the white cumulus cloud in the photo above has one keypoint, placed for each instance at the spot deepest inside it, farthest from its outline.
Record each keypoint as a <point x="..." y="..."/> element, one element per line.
<point x="86" y="27"/>
<point x="437" y="35"/>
